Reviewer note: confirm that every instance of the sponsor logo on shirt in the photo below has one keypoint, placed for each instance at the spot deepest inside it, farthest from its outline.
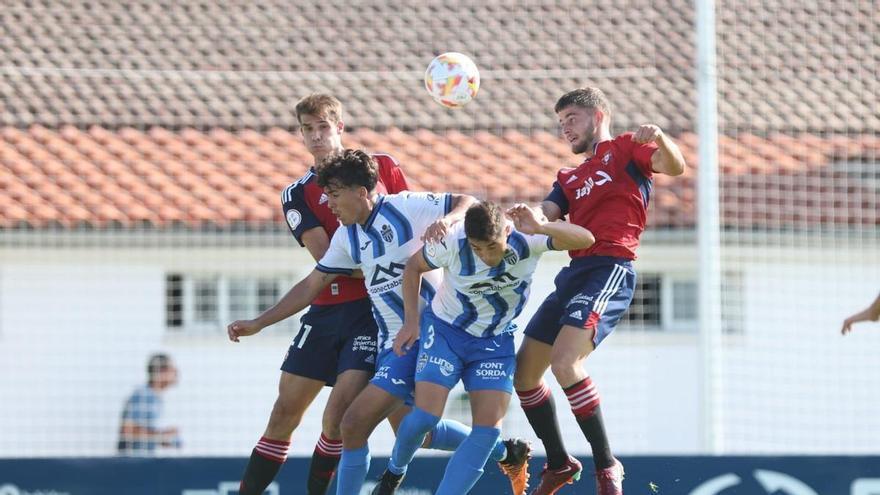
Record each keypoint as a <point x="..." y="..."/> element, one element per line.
<point x="382" y="275"/>
<point x="588" y="186"/>
<point x="491" y="371"/>
<point x="446" y="368"/>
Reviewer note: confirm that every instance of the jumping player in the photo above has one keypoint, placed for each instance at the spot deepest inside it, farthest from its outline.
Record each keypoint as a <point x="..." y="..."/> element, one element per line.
<point x="337" y="341"/>
<point x="467" y="333"/>
<point x="608" y="194"/>
<point x="380" y="234"/>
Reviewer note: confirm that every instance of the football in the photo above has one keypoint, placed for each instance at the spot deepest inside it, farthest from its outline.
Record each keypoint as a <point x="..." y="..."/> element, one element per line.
<point x="452" y="79"/>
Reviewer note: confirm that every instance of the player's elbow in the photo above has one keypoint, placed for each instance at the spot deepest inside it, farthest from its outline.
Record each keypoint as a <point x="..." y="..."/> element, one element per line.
<point x="675" y="167"/>
<point x="588" y="239"/>
<point x="583" y="239"/>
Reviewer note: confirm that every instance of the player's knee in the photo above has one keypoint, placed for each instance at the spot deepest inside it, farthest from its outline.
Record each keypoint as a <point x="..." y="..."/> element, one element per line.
<point x="525" y="380"/>
<point x="330" y="426"/>
<point x="286" y="414"/>
<point x="565" y="368"/>
<point x="350" y="426"/>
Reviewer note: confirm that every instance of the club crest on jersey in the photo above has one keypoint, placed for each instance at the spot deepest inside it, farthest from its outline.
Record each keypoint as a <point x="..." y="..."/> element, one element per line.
<point x="510" y="257"/>
<point x="606" y="158"/>
<point x="387" y="233"/>
<point x="422" y="362"/>
<point x="323" y="199"/>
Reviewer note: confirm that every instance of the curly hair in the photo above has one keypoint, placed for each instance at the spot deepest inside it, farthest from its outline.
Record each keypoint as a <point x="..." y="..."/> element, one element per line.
<point x="350" y="168"/>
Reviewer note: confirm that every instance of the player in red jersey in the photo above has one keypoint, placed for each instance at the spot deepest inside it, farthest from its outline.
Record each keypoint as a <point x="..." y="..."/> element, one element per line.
<point x="608" y="195"/>
<point x="336" y="345"/>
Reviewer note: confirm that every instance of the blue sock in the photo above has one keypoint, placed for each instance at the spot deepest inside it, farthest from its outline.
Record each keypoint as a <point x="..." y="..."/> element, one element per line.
<point x="466" y="465"/>
<point x="352" y="471"/>
<point x="410" y="435"/>
<point x="448" y="435"/>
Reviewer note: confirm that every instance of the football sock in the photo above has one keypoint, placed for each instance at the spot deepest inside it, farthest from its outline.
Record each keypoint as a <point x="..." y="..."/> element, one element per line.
<point x="352" y="472"/>
<point x="410" y="435"/>
<point x="266" y="459"/>
<point x="466" y="465"/>
<point x="584" y="400"/>
<point x="540" y="409"/>
<point x="323" y="466"/>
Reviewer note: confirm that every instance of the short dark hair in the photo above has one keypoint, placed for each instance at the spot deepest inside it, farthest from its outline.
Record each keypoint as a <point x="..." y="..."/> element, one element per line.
<point x="157" y="362"/>
<point x="590" y="98"/>
<point x="350" y="168"/>
<point x="484" y="221"/>
<point x="320" y="104"/>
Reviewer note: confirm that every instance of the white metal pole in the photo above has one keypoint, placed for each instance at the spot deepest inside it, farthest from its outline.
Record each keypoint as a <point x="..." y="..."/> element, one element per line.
<point x="708" y="233"/>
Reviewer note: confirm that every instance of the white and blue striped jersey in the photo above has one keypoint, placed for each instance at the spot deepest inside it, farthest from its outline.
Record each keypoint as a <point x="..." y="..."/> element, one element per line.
<point x="381" y="247"/>
<point x="480" y="299"/>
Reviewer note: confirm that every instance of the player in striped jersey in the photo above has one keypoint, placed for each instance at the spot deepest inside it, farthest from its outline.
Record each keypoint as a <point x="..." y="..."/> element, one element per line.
<point x="380" y="233"/>
<point x="467" y="333"/>
<point x="336" y="343"/>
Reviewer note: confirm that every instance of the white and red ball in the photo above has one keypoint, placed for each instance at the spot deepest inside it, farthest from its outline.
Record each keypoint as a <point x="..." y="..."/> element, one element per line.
<point x="452" y="79"/>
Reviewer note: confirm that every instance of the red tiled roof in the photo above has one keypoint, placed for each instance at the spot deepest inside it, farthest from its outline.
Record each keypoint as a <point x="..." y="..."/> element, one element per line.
<point x="101" y="178"/>
<point x="783" y="65"/>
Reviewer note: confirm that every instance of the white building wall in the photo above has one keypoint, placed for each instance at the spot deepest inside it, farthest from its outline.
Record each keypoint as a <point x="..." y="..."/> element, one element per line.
<point x="76" y="327"/>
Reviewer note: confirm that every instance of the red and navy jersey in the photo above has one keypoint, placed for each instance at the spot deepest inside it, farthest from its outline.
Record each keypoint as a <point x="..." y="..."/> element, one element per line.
<point x="608" y="194"/>
<point x="305" y="207"/>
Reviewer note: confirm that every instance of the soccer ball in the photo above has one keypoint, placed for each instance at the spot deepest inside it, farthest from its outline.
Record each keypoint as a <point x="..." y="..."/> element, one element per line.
<point x="452" y="79"/>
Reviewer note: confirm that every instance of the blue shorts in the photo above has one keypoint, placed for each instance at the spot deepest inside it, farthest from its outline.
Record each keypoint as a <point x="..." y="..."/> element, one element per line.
<point x="449" y="354"/>
<point x="592" y="293"/>
<point x="396" y="374"/>
<point x="332" y="339"/>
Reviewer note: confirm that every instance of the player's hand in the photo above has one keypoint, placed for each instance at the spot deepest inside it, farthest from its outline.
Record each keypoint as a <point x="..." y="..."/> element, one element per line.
<point x="436" y="231"/>
<point x="526" y="219"/>
<point x="847" y="325"/>
<point x="406" y="338"/>
<point x="242" y="328"/>
<point x="647" y="133"/>
<point x="856" y="318"/>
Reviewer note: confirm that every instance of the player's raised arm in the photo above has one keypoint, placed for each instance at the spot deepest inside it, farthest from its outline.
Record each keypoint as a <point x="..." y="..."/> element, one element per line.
<point x="667" y="159"/>
<point x="564" y="236"/>
<point x="296" y="299"/>
<point x="412" y="284"/>
<point x="871" y="313"/>
<point x="459" y="206"/>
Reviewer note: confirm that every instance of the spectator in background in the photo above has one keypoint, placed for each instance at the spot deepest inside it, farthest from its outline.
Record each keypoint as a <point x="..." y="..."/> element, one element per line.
<point x="139" y="433"/>
<point x="871" y="313"/>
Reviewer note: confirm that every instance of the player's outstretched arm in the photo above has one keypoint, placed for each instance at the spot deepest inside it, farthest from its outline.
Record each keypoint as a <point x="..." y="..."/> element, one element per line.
<point x="296" y="299"/>
<point x="412" y="284"/>
<point x="565" y="236"/>
<point x="437" y="230"/>
<point x="668" y="158"/>
<point x="871" y="313"/>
